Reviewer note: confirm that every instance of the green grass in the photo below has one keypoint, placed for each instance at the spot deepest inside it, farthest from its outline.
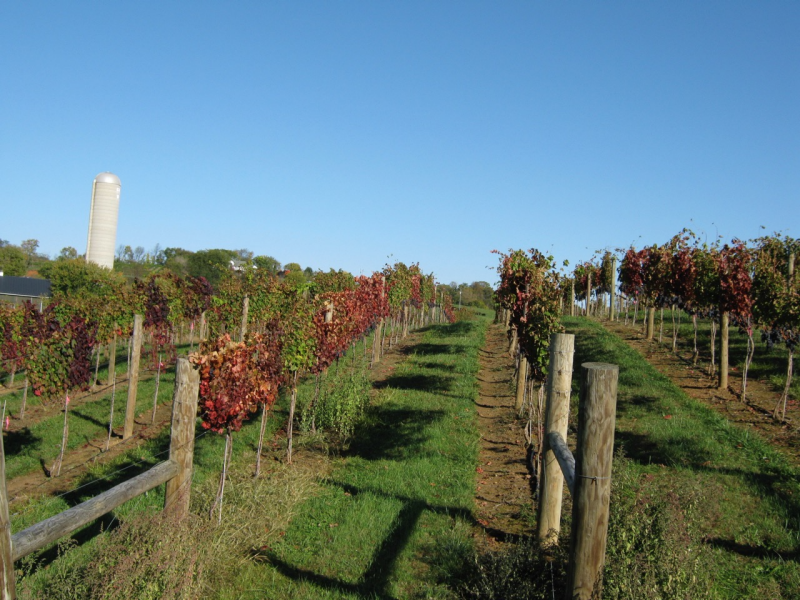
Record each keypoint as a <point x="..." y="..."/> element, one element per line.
<point x="38" y="445"/>
<point x="405" y="484"/>
<point x="733" y="501"/>
<point x="769" y="364"/>
<point x="368" y="525"/>
<point x="701" y="508"/>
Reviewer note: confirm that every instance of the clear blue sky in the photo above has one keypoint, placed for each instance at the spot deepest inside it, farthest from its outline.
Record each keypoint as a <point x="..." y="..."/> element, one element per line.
<point x="345" y="134"/>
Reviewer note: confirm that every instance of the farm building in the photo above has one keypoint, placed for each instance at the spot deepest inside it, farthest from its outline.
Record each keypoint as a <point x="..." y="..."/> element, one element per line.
<point x="17" y="290"/>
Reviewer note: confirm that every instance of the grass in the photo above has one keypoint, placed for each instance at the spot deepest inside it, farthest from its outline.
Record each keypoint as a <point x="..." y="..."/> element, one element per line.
<point x="769" y="364"/>
<point x="359" y="523"/>
<point x="405" y="482"/>
<point x="36" y="446"/>
<point x="733" y="501"/>
<point x="700" y="507"/>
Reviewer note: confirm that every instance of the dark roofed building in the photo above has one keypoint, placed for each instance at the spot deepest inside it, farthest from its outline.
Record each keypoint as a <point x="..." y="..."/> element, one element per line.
<point x="19" y="289"/>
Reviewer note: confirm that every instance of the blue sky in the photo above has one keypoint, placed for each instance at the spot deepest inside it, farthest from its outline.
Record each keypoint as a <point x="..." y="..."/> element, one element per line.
<point x="348" y="134"/>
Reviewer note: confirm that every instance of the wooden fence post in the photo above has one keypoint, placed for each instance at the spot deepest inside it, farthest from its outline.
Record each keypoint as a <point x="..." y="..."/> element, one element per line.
<point x="595" y="450"/>
<point x="7" y="578"/>
<point x="572" y="298"/>
<point x="650" y="323"/>
<point x="723" y="352"/>
<point x="588" y="294"/>
<point x="559" y="385"/>
<point x="112" y="359"/>
<point x="522" y="378"/>
<point x="181" y="445"/>
<point x="133" y="381"/>
<point x="512" y="346"/>
<point x="243" y="328"/>
<point x="613" y="292"/>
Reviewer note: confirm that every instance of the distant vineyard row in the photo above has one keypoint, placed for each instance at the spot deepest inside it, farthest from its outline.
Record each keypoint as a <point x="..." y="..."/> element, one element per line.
<point x="751" y="286"/>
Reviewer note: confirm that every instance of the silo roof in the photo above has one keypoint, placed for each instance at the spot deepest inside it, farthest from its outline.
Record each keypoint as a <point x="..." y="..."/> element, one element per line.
<point x="106" y="177"/>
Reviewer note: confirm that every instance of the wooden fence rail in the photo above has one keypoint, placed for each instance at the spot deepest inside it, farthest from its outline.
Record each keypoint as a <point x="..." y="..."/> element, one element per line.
<point x="588" y="475"/>
<point x="176" y="472"/>
<point x="564" y="457"/>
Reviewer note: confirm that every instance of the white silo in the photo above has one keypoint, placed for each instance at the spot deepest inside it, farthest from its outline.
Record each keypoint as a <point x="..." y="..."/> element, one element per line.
<point x="103" y="220"/>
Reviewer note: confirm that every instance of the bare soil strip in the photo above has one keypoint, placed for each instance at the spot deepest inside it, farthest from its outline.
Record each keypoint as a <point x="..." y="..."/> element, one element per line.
<point x="503" y="498"/>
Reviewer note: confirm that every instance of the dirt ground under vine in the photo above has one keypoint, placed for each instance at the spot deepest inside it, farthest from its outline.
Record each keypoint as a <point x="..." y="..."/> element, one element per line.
<point x="503" y="499"/>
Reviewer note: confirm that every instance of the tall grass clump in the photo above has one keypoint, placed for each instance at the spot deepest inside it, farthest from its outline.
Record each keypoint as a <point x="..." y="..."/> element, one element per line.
<point x="339" y="402"/>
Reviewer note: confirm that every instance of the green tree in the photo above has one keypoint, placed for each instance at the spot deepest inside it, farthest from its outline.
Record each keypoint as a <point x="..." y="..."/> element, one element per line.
<point x="12" y="261"/>
<point x="211" y="264"/>
<point x="176" y="260"/>
<point x="75" y="276"/>
<point x="244" y="255"/>
<point x="29" y="249"/>
<point x="267" y="263"/>
<point x="294" y="273"/>
<point x="67" y="253"/>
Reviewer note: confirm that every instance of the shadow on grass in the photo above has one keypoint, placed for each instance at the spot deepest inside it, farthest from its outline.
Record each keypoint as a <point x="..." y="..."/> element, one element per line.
<point x="15" y="441"/>
<point x="646" y="451"/>
<point x="434" y="384"/>
<point x="754" y="551"/>
<point x="392" y="433"/>
<point x="88" y="418"/>
<point x="458" y="328"/>
<point x="431" y="364"/>
<point x="425" y="349"/>
<point x="375" y="581"/>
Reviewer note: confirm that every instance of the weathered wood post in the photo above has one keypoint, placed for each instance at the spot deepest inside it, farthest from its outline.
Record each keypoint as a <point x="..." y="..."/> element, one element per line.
<point x="377" y="342"/>
<point x="7" y="578"/>
<point x="613" y="293"/>
<point x="112" y="359"/>
<point x="651" y="323"/>
<point x="203" y="324"/>
<point x="243" y="328"/>
<point x="723" y="352"/>
<point x="512" y="346"/>
<point x="595" y="449"/>
<point x="572" y="298"/>
<point x="522" y="378"/>
<point x="559" y="385"/>
<point x="133" y="381"/>
<point x="181" y="445"/>
<point x="588" y="294"/>
<point x="328" y="311"/>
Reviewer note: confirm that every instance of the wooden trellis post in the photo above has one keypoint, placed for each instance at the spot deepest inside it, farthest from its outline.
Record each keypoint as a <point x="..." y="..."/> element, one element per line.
<point x="133" y="382"/>
<point x="559" y="385"/>
<point x="181" y="447"/>
<point x="243" y="328"/>
<point x="7" y="578"/>
<point x="595" y="452"/>
<point x="613" y="293"/>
